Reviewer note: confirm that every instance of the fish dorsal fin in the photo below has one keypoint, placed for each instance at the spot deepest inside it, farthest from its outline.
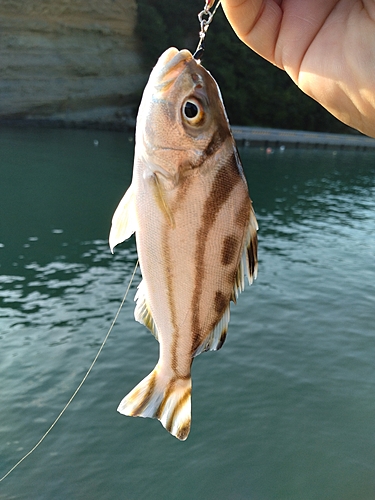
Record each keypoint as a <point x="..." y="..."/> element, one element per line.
<point x="142" y="312"/>
<point x="249" y="260"/>
<point x="123" y="220"/>
<point x="216" y="338"/>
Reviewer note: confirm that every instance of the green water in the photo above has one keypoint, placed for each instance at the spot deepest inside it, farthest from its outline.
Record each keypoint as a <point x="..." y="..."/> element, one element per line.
<point x="286" y="410"/>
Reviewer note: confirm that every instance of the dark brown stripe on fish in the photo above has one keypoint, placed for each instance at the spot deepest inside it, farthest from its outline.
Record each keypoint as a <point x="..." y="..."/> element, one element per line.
<point x="183" y="431"/>
<point x="252" y="254"/>
<point x="220" y="302"/>
<point x="183" y="190"/>
<point x="217" y="140"/>
<point x="145" y="401"/>
<point x="242" y="216"/>
<point x="168" y="391"/>
<point x="177" y="409"/>
<point x="228" y="252"/>
<point x="171" y="302"/>
<point x="223" y="336"/>
<point x="228" y="176"/>
<point x="223" y="184"/>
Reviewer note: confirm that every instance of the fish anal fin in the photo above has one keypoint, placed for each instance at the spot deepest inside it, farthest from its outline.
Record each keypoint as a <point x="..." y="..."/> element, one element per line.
<point x="216" y="338"/>
<point x="167" y="399"/>
<point x="142" y="312"/>
<point x="123" y="220"/>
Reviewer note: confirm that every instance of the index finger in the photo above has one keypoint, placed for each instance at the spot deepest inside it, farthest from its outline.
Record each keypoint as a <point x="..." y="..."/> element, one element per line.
<point x="256" y="23"/>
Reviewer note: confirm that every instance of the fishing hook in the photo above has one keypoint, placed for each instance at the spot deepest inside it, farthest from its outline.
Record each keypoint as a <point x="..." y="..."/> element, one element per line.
<point x="205" y="18"/>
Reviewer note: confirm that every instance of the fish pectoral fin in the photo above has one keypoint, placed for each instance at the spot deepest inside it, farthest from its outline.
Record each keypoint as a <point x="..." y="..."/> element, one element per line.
<point x="249" y="259"/>
<point x="216" y="338"/>
<point x="123" y="220"/>
<point x="142" y="311"/>
<point x="161" y="202"/>
<point x="158" y="396"/>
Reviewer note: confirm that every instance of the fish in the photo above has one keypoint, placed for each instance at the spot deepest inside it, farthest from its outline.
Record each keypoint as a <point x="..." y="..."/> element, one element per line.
<point x="195" y="228"/>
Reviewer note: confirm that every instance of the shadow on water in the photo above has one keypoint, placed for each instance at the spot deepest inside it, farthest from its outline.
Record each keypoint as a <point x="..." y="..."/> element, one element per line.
<point x="284" y="411"/>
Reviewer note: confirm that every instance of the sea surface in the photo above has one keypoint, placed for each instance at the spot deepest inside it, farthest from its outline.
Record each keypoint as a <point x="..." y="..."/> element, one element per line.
<point x="284" y="411"/>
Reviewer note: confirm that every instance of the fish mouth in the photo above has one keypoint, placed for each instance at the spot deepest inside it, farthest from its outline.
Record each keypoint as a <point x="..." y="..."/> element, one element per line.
<point x="169" y="66"/>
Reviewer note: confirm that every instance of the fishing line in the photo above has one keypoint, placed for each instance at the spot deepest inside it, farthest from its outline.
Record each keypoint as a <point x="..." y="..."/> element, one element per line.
<point x="205" y="18"/>
<point x="80" y="385"/>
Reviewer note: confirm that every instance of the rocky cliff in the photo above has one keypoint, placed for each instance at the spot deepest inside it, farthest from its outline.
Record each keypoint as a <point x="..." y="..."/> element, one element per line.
<point x="68" y="60"/>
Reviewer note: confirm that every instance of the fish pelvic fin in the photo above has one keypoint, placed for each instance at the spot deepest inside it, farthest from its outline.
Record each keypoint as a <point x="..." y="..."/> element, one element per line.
<point x="167" y="399"/>
<point x="123" y="220"/>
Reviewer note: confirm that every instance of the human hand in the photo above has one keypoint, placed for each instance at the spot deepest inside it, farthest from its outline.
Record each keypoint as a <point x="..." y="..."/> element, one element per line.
<point x="326" y="46"/>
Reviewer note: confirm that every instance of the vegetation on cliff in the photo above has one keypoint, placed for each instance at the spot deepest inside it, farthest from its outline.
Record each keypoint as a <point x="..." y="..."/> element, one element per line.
<point x="254" y="91"/>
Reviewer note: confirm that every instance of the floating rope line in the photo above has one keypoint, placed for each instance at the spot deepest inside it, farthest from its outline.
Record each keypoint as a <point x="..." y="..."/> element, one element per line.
<point x="80" y="385"/>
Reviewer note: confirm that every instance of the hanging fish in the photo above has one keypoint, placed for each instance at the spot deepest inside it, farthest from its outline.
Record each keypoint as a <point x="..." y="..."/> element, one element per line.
<point x="189" y="206"/>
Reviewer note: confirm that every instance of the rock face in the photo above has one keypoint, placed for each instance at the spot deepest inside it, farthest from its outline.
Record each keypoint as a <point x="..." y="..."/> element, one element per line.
<point x="68" y="60"/>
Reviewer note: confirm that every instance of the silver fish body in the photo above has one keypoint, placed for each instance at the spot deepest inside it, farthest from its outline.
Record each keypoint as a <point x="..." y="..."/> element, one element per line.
<point x="189" y="206"/>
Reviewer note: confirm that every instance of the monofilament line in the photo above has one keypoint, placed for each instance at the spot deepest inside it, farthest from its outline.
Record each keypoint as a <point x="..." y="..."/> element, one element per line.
<point x="80" y="385"/>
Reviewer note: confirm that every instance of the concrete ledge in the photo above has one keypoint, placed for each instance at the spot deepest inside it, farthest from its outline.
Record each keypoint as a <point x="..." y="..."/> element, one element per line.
<point x="268" y="137"/>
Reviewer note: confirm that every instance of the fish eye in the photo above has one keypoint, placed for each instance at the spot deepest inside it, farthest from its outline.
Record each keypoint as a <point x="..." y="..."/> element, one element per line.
<point x="192" y="111"/>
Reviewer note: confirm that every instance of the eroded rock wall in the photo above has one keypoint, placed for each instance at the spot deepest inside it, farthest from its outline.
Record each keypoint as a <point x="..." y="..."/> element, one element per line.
<point x="68" y="59"/>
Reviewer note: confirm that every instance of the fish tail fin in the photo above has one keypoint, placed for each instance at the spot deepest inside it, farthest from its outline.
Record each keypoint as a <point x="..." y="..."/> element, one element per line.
<point x="166" y="398"/>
